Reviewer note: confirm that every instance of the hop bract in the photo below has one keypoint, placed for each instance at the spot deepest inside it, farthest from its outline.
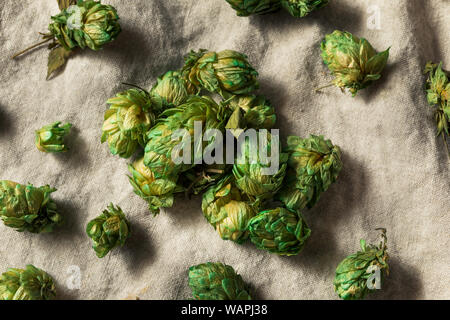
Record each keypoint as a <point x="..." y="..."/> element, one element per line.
<point x="108" y="230"/>
<point x="353" y="61"/>
<point x="27" y="208"/>
<point x="86" y="24"/>
<point x="50" y="138"/>
<point x="228" y="210"/>
<point x="217" y="281"/>
<point x="248" y="7"/>
<point x="314" y="164"/>
<point x="30" y="283"/>
<point x="226" y="72"/>
<point x="279" y="231"/>
<point x="301" y="8"/>
<point x="250" y="111"/>
<point x="353" y="272"/>
<point x="172" y="89"/>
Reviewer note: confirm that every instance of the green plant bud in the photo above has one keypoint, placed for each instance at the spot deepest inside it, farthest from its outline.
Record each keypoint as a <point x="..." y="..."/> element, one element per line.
<point x="86" y="24"/>
<point x="217" y="281"/>
<point x="254" y="112"/>
<point x="157" y="192"/>
<point x="130" y="115"/>
<point x="246" y="8"/>
<point x="27" y="208"/>
<point x="314" y="164"/>
<point x="108" y="230"/>
<point x="50" y="138"/>
<point x="301" y="8"/>
<point x="172" y="89"/>
<point x="228" y="210"/>
<point x="29" y="284"/>
<point x="250" y="175"/>
<point x="353" y="61"/>
<point x="279" y="231"/>
<point x="353" y="272"/>
<point x="226" y="72"/>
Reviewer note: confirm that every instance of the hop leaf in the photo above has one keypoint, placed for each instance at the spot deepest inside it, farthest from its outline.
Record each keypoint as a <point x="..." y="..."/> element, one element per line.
<point x="226" y="72"/>
<point x="314" y="164"/>
<point x="108" y="230"/>
<point x="50" y="138"/>
<point x="352" y="60"/>
<point x="29" y="284"/>
<point x="352" y="273"/>
<point x="172" y="90"/>
<point x="245" y="8"/>
<point x="217" y="281"/>
<point x="301" y="8"/>
<point x="86" y="24"/>
<point x="26" y="208"/>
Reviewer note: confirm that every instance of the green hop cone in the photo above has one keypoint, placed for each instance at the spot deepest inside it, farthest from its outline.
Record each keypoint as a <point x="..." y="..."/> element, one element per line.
<point x="301" y="8"/>
<point x="29" y="284"/>
<point x="314" y="164"/>
<point x="50" y="138"/>
<point x="171" y="90"/>
<point x="108" y="230"/>
<point x="279" y="231"/>
<point x="228" y="210"/>
<point x="246" y="8"/>
<point x="353" y="61"/>
<point x="86" y="24"/>
<point x="227" y="72"/>
<point x="259" y="178"/>
<point x="217" y="281"/>
<point x="353" y="272"/>
<point x="130" y="115"/>
<point x="157" y="192"/>
<point x="27" y="208"/>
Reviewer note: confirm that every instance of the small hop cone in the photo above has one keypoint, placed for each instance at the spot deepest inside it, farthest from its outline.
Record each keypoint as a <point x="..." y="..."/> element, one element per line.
<point x="171" y="90"/>
<point x="246" y="8"/>
<point x="251" y="112"/>
<point x="301" y="8"/>
<point x="50" y="138"/>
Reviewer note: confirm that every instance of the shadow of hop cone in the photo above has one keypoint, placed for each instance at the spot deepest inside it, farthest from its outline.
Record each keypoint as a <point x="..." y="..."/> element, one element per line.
<point x="246" y="8"/>
<point x="27" y="208"/>
<point x="301" y="8"/>
<point x="50" y="138"/>
<point x="108" y="230"/>
<point x="30" y="283"/>
<point x="217" y="281"/>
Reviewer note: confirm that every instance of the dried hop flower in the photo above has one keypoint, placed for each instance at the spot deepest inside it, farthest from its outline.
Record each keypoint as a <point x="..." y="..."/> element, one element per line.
<point x="217" y="281"/>
<point x="171" y="90"/>
<point x="50" y="138"/>
<point x="245" y="8"/>
<point x="301" y="8"/>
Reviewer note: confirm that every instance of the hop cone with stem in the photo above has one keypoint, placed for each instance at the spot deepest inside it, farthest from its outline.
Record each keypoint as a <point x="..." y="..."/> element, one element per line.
<point x="227" y="72"/>
<point x="301" y="8"/>
<point x="314" y="164"/>
<point x="171" y="90"/>
<point x="86" y="24"/>
<point x="353" y="61"/>
<point x="246" y="8"/>
<point x="27" y="208"/>
<point x="30" y="283"/>
<point x="279" y="231"/>
<point x="228" y="210"/>
<point x="217" y="281"/>
<point x="108" y="230"/>
<point x="353" y="273"/>
<point x="50" y="138"/>
<point x="130" y="115"/>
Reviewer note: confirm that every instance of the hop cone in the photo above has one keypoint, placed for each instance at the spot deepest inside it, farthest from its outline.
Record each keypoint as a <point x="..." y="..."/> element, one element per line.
<point x="250" y="173"/>
<point x="353" y="272"/>
<point x="314" y="164"/>
<point x="228" y="210"/>
<point x="217" y="281"/>
<point x="29" y="284"/>
<point x="27" y="208"/>
<point x="86" y="24"/>
<point x="352" y="60"/>
<point x="245" y="8"/>
<point x="226" y="72"/>
<point x="279" y="231"/>
<point x="108" y="230"/>
<point x="301" y="8"/>
<point x="50" y="138"/>
<point x="171" y="90"/>
<point x="128" y="119"/>
<point x="157" y="192"/>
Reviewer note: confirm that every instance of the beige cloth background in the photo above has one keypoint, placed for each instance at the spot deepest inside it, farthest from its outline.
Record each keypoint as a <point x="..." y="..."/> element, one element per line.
<point x="396" y="173"/>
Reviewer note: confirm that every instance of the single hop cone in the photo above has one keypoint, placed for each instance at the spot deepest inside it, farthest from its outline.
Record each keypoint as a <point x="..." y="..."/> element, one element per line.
<point x="246" y="8"/>
<point x="50" y="138"/>
<point x="301" y="8"/>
